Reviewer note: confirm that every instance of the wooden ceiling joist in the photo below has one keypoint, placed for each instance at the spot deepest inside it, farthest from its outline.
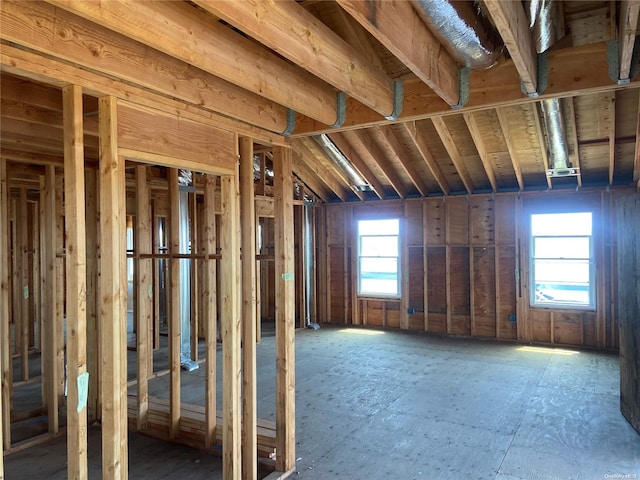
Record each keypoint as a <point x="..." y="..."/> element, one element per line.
<point x="572" y="137"/>
<point x="375" y="156"/>
<point x="543" y="146"/>
<point x="627" y="31"/>
<point x="318" y="161"/>
<point x="310" y="179"/>
<point x="25" y="156"/>
<point x="296" y="34"/>
<point x="454" y="153"/>
<point x="511" y="21"/>
<point x="359" y="164"/>
<point x="421" y="144"/>
<point x="181" y="31"/>
<point x="420" y="50"/>
<point x="391" y="144"/>
<point x="513" y="153"/>
<point x="479" y="143"/>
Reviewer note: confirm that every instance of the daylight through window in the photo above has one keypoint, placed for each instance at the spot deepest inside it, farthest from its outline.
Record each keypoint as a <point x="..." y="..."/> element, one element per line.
<point x="562" y="267"/>
<point x="379" y="258"/>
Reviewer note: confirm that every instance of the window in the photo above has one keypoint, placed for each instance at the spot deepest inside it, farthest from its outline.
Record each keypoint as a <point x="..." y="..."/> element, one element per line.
<point x="379" y="258"/>
<point x="562" y="266"/>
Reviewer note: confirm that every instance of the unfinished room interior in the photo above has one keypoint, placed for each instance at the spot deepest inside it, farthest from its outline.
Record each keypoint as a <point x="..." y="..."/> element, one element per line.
<point x="350" y="239"/>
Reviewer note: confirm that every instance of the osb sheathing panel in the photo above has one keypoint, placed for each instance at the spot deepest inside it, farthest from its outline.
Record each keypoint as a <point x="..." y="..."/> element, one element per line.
<point x="481" y="219"/>
<point x="435" y="221"/>
<point x="458" y="221"/>
<point x="506" y="289"/>
<point x="436" y="280"/>
<point x="484" y="292"/>
<point x="413" y="222"/>
<point x="440" y="155"/>
<point x="467" y="150"/>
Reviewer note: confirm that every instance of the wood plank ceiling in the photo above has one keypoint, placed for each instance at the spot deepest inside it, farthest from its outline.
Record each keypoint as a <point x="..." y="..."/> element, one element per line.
<point x="255" y="63"/>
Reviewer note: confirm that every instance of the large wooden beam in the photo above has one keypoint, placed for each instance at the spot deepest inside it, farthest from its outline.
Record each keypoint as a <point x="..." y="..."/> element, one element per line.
<point x="478" y="141"/>
<point x="452" y="149"/>
<point x="231" y="330"/>
<point x="347" y="150"/>
<point x="214" y="48"/>
<point x="144" y="295"/>
<point x="511" y="21"/>
<point x="53" y="71"/>
<point x="572" y="71"/>
<point x="155" y="137"/>
<point x="5" y="359"/>
<point x="285" y="310"/>
<point x="513" y="153"/>
<point x="249" y="373"/>
<point x="421" y="144"/>
<point x="113" y="296"/>
<point x="393" y="147"/>
<point x="293" y="32"/>
<point x="210" y="309"/>
<point x="76" y="287"/>
<point x="421" y="51"/>
<point x="627" y="31"/>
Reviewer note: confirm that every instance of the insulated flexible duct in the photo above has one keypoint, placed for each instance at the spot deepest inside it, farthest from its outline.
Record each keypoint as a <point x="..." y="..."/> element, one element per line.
<point x="466" y="34"/>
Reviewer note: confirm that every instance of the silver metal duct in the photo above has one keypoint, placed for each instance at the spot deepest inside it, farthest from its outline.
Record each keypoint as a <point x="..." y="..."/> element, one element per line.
<point x="308" y="267"/>
<point x="466" y="34"/>
<point x="342" y="162"/>
<point x="556" y="139"/>
<point x="546" y="22"/>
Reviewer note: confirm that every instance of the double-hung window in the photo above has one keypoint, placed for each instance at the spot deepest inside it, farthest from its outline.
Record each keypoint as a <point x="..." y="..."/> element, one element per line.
<point x="379" y="258"/>
<point x="562" y="260"/>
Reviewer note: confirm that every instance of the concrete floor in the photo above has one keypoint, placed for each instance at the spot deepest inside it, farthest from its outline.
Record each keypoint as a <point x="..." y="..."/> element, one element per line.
<point x="379" y="405"/>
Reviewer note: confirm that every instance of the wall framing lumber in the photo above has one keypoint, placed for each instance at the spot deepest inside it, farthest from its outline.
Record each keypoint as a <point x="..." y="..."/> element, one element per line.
<point x="144" y="297"/>
<point x="231" y="330"/>
<point x="76" y="280"/>
<point x="93" y="307"/>
<point x="24" y="318"/>
<point x="285" y="310"/>
<point x="50" y="287"/>
<point x="249" y="373"/>
<point x="5" y="358"/>
<point x="113" y="296"/>
<point x="174" y="304"/>
<point x="628" y="212"/>
<point x="210" y="309"/>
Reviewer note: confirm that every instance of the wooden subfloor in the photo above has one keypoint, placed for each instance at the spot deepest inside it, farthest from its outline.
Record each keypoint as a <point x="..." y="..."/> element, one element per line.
<point x="380" y="405"/>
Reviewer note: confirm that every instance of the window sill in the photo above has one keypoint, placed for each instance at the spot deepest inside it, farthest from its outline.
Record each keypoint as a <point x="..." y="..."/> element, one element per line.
<point x="560" y="308"/>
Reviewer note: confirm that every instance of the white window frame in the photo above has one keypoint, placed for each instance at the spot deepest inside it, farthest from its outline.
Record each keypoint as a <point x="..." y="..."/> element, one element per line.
<point x="398" y="258"/>
<point x="533" y="301"/>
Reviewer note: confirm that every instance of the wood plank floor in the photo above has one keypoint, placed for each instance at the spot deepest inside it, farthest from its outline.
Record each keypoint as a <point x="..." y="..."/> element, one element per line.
<point x="379" y="405"/>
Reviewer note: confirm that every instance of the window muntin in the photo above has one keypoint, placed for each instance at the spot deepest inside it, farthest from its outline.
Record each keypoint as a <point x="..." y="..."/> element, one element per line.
<point x="379" y="258"/>
<point x="562" y="265"/>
